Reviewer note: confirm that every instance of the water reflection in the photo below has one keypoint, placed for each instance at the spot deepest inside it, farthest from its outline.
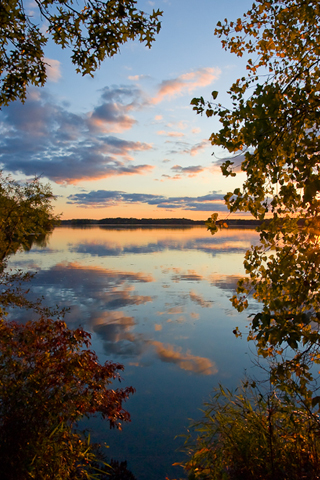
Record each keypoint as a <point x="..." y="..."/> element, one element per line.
<point x="157" y="300"/>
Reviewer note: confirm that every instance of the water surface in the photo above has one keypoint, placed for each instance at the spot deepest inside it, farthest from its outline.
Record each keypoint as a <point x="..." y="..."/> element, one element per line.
<point x="157" y="301"/>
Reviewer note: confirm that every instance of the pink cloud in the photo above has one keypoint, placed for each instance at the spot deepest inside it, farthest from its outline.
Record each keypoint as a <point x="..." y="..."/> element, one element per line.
<point x="170" y="134"/>
<point x="186" y="82"/>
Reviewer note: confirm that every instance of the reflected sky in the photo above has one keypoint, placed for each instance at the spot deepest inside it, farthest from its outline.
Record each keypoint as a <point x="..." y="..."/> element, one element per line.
<point x="156" y="300"/>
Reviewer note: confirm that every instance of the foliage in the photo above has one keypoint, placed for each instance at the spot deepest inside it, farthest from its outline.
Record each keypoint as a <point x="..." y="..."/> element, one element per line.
<point x="272" y="133"/>
<point x="26" y="214"/>
<point x="49" y="380"/>
<point x="245" y="435"/>
<point x="93" y="29"/>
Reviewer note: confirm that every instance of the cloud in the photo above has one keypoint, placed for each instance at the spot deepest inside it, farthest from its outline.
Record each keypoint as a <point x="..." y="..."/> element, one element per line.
<point x="43" y="138"/>
<point x="106" y="198"/>
<point x="138" y="77"/>
<point x="195" y="149"/>
<point x="184" y="148"/>
<point x="53" y="69"/>
<point x="185" y="83"/>
<point x="108" y="118"/>
<point x="189" y="171"/>
<point x="170" y="134"/>
<point x="111" y="116"/>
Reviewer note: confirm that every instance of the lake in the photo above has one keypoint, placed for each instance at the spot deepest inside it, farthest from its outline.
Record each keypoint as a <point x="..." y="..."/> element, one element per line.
<point x="157" y="301"/>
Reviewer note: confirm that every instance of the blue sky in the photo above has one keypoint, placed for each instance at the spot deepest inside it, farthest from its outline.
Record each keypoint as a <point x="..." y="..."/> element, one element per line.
<point x="127" y="142"/>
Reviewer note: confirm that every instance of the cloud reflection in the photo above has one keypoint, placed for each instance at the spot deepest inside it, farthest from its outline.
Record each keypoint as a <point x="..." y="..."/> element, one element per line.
<point x="186" y="361"/>
<point x="213" y="245"/>
<point x="115" y="330"/>
<point x="200" y="300"/>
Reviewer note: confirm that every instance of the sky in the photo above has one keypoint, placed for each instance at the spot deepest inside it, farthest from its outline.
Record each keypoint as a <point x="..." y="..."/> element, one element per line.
<point x="127" y="143"/>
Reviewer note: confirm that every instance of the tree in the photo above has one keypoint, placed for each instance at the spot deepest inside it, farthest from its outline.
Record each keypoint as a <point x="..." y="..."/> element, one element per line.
<point x="272" y="132"/>
<point x="49" y="380"/>
<point x="93" y="29"/>
<point x="26" y="214"/>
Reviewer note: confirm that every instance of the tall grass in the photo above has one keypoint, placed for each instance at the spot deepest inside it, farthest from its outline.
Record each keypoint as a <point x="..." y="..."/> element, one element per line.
<point x="249" y="436"/>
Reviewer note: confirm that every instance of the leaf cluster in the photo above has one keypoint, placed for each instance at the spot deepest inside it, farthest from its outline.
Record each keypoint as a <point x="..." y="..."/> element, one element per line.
<point x="93" y="29"/>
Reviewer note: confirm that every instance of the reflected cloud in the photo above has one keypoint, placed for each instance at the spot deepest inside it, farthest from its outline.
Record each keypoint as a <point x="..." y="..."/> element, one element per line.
<point x="198" y="299"/>
<point x="115" y="330"/>
<point x="225" y="282"/>
<point x="171" y="311"/>
<point x="207" y="244"/>
<point x="190" y="276"/>
<point x="186" y="361"/>
<point x="88" y="291"/>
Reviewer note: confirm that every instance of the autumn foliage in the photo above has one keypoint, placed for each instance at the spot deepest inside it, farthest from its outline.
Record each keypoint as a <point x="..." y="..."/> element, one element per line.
<point x="49" y="380"/>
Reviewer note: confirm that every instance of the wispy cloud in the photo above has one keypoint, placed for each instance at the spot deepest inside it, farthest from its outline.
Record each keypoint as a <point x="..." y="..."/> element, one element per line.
<point x="136" y="78"/>
<point x="185" y="83"/>
<point x="184" y="148"/>
<point x="189" y="171"/>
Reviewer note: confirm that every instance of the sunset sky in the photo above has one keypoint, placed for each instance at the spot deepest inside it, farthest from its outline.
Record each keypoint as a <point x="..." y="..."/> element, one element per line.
<point x="127" y="142"/>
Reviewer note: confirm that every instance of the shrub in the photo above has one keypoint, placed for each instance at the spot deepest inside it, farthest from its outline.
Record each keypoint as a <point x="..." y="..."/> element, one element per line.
<point x="49" y="380"/>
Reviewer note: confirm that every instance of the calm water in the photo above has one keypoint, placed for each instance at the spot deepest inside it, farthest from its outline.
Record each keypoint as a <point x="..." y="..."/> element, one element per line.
<point x="157" y="301"/>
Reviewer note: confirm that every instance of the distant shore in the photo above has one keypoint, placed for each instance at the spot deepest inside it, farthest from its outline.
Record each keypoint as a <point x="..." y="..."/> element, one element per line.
<point x="157" y="222"/>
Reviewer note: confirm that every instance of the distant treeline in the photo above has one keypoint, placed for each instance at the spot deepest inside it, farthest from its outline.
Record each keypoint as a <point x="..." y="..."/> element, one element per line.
<point x="156" y="221"/>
